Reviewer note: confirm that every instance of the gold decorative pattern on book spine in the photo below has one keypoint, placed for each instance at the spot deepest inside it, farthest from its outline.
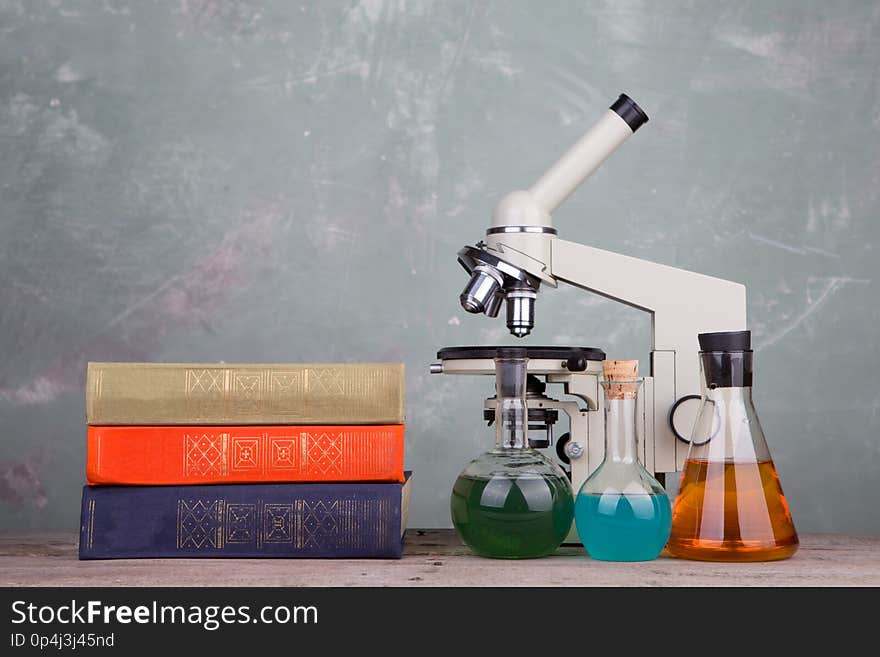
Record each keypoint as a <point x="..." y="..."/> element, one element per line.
<point x="278" y="523"/>
<point x="245" y="394"/>
<point x="283" y="452"/>
<point x="241" y="523"/>
<point x="98" y="375"/>
<point x="205" y="455"/>
<point x="381" y="513"/>
<point x="206" y="391"/>
<point x="320" y="524"/>
<point x="246" y="453"/>
<point x="90" y="532"/>
<point x="282" y="393"/>
<point x="220" y="518"/>
<point x="353" y="453"/>
<point x="288" y="392"/>
<point x="263" y="453"/>
<point x="210" y="524"/>
<point x="200" y="523"/>
<point x="259" y="524"/>
<point x="324" y="454"/>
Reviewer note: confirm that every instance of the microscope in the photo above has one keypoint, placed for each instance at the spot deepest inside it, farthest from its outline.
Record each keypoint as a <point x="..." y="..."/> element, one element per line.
<point x="521" y="252"/>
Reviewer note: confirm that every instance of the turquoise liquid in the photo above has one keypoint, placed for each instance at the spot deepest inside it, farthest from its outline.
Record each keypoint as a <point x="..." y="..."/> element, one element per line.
<point x="619" y="527"/>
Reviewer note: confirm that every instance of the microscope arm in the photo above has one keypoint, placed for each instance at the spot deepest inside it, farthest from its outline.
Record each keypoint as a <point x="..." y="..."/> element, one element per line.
<point x="682" y="304"/>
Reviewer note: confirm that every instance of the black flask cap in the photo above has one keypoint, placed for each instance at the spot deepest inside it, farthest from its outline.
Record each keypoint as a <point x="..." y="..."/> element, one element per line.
<point x="727" y="358"/>
<point x="726" y="341"/>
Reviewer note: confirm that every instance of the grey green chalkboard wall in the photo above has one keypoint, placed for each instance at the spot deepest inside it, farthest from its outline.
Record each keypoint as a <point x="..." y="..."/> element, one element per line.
<point x="199" y="180"/>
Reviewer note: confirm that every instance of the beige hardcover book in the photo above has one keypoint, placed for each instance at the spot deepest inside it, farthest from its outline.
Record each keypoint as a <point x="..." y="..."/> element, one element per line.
<point x="205" y="393"/>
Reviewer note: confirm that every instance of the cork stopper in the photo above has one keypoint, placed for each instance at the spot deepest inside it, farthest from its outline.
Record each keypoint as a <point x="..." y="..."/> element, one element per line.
<point x="624" y="371"/>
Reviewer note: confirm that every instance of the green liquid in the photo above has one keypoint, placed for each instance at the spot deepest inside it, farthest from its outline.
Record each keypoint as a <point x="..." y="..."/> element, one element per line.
<point x="517" y="517"/>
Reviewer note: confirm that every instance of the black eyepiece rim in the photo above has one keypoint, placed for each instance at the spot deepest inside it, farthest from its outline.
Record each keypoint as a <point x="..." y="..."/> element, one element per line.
<point x="628" y="110"/>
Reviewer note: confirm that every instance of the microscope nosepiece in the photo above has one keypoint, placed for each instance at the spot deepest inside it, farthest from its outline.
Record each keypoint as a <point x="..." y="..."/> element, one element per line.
<point x="521" y="311"/>
<point x="480" y="293"/>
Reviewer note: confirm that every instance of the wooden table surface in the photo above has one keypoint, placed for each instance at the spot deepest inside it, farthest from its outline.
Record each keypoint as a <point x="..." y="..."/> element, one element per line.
<point x="436" y="558"/>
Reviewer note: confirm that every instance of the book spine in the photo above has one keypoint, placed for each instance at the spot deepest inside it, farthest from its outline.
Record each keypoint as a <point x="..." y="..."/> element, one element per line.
<point x="267" y="520"/>
<point x="169" y="455"/>
<point x="195" y="394"/>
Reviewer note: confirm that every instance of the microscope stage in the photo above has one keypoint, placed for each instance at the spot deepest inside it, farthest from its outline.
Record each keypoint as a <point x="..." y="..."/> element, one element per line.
<point x="542" y="360"/>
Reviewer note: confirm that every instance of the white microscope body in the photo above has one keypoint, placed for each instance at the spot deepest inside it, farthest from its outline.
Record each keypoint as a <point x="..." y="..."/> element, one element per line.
<point x="521" y="251"/>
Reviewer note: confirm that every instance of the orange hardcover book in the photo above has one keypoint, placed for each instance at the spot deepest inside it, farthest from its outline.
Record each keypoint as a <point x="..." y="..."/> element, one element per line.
<point x="174" y="455"/>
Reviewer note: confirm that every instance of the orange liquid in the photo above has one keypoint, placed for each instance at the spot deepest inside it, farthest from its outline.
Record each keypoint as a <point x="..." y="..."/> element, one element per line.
<point x="731" y="512"/>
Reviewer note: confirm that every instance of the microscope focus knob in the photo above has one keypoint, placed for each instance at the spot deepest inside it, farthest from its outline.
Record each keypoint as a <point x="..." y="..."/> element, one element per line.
<point x="564" y="439"/>
<point x="574" y="450"/>
<point x="568" y="449"/>
<point x="683" y="415"/>
<point x="576" y="364"/>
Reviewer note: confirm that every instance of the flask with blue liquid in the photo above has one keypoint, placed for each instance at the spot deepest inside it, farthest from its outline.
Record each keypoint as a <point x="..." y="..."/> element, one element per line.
<point x="621" y="512"/>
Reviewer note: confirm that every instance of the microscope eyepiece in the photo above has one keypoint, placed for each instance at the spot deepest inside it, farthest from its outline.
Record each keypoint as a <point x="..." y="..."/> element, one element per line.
<point x="627" y="109"/>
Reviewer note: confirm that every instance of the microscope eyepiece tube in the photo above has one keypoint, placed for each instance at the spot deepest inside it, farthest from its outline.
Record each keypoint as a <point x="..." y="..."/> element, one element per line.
<point x="616" y="125"/>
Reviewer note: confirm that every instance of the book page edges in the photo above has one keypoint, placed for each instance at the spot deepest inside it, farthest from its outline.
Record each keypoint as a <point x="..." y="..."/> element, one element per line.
<point x="405" y="495"/>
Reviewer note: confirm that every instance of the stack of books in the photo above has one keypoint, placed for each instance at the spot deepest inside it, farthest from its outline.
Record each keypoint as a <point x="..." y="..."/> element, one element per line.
<point x="192" y="460"/>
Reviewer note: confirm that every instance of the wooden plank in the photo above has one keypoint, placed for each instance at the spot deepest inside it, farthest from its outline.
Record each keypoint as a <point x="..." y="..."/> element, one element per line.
<point x="436" y="558"/>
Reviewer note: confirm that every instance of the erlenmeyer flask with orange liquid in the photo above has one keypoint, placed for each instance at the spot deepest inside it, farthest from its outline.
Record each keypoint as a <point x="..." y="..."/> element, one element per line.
<point x="730" y="505"/>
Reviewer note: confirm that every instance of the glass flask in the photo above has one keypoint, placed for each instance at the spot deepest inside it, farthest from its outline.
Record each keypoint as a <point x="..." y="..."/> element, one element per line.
<point x="512" y="502"/>
<point x="730" y="505"/>
<point x="622" y="513"/>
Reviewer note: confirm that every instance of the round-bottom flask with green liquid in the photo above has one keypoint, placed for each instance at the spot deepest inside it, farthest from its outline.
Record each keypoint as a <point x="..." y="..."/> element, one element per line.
<point x="512" y="502"/>
<point x="512" y="506"/>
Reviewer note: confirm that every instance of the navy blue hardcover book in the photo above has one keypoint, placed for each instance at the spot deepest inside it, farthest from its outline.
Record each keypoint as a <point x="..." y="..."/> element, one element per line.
<point x="307" y="520"/>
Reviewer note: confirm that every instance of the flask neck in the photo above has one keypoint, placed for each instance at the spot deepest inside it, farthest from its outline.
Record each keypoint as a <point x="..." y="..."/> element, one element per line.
<point x="511" y="426"/>
<point x="511" y="408"/>
<point x="621" y="443"/>
<point x="731" y="394"/>
<point x="726" y="369"/>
